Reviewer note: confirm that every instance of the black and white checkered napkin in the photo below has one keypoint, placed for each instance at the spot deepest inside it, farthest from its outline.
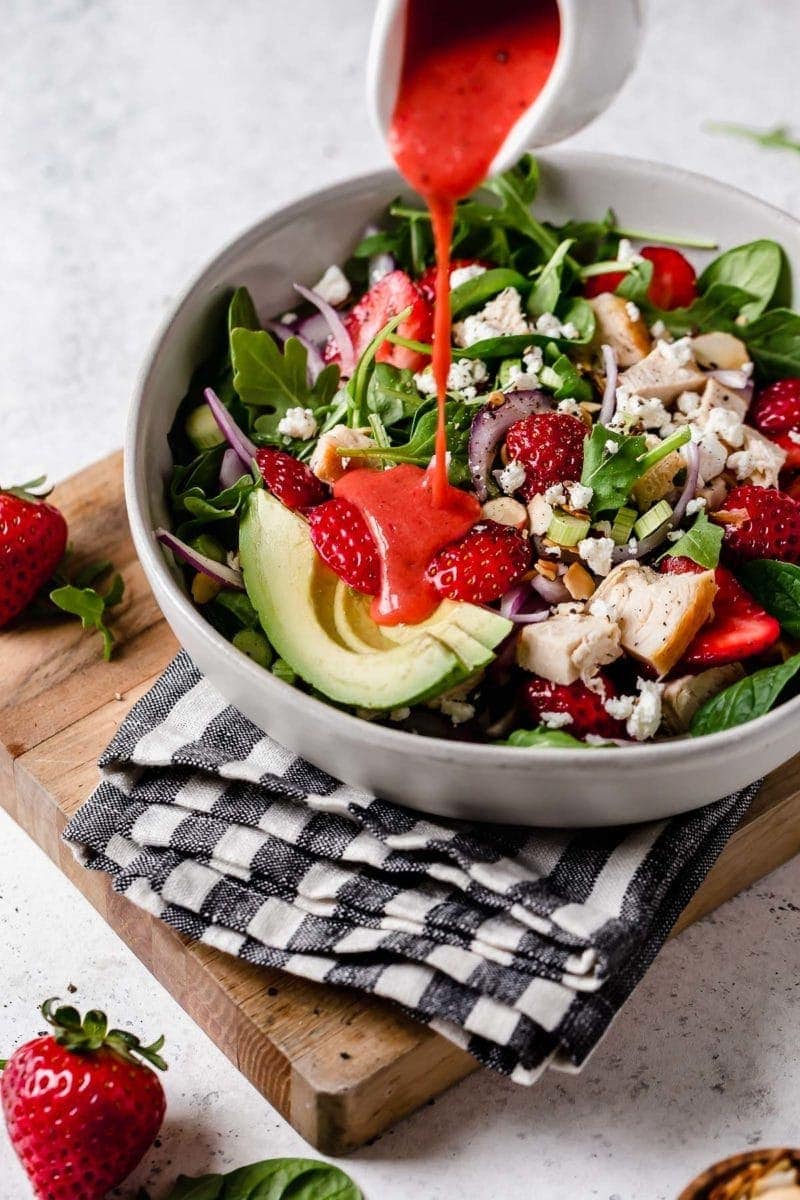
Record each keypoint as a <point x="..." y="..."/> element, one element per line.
<point x="519" y="945"/>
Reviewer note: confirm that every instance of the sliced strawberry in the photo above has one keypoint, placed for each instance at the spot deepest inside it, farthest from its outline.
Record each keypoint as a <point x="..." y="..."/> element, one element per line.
<point x="289" y="479"/>
<point x="388" y="297"/>
<point x="343" y="541"/>
<point x="482" y="565"/>
<point x="585" y="707"/>
<point x="550" y="447"/>
<point x="740" y="627"/>
<point x="776" y="414"/>
<point x="761" y="523"/>
<point x="427" y="280"/>
<point x="673" y="284"/>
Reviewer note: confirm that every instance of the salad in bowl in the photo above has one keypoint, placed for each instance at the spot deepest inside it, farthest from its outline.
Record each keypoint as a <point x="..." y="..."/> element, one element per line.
<point x="621" y="564"/>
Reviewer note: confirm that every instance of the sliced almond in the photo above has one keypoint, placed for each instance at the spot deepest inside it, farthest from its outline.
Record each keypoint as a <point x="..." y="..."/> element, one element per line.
<point x="578" y="582"/>
<point x="546" y="568"/>
<point x="506" y="511"/>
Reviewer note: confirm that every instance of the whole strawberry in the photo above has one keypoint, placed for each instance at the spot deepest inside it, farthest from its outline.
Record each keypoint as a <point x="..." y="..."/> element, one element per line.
<point x="482" y="565"/>
<point x="290" y="480"/>
<point x="343" y="541"/>
<point x="80" y="1107"/>
<point x="33" y="538"/>
<point x="761" y="523"/>
<point x="549" y="446"/>
<point x="585" y="708"/>
<point x="776" y="414"/>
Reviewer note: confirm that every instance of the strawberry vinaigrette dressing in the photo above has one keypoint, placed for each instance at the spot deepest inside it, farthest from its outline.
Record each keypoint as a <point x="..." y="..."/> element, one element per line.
<point x="467" y="76"/>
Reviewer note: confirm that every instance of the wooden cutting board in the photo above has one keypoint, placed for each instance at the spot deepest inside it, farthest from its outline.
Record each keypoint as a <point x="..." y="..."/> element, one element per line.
<point x="341" y="1067"/>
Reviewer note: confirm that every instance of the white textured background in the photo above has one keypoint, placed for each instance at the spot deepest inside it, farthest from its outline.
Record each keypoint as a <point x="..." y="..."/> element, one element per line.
<point x="136" y="136"/>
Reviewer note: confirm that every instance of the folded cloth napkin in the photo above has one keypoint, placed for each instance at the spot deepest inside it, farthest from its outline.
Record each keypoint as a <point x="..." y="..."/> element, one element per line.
<point x="520" y="945"/>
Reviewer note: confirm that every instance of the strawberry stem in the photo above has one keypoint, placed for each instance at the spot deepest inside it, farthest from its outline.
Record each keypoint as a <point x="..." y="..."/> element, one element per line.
<point x="30" y="490"/>
<point x="83" y="1036"/>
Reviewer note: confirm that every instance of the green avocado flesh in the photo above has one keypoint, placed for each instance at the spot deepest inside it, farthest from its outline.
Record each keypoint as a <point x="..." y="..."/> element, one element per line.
<point x="323" y="629"/>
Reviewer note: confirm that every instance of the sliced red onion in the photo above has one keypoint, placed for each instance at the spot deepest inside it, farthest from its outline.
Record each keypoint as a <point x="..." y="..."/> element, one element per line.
<point x="236" y="438"/>
<point x="551" y="590"/>
<point x="609" y="405"/>
<point x="230" y="469"/>
<point x="314" y="329"/>
<point x="314" y="363"/>
<point x="490" y="425"/>
<point x="513" y="606"/>
<point x="690" y="487"/>
<point x="336" y="326"/>
<point x="199" y="562"/>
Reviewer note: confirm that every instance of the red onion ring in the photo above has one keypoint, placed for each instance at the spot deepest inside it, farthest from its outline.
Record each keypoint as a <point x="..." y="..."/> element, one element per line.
<point x="513" y="603"/>
<point x="335" y="324"/>
<point x="199" y="562"/>
<point x="609" y="405"/>
<point x="690" y="487"/>
<point x="551" y="590"/>
<point x="490" y="425"/>
<point x="314" y="329"/>
<point x="236" y="438"/>
<point x="314" y="363"/>
<point x="230" y="470"/>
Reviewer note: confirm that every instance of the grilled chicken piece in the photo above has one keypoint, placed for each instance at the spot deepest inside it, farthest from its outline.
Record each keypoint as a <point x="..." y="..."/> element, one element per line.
<point x="569" y="646"/>
<point x="326" y="462"/>
<point x="658" y="615"/>
<point x="629" y="338"/>
<point x="714" y="396"/>
<point x="661" y="376"/>
<point x="682" y="697"/>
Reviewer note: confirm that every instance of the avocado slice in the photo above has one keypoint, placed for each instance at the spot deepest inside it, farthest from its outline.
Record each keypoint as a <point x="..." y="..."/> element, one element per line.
<point x="324" y="631"/>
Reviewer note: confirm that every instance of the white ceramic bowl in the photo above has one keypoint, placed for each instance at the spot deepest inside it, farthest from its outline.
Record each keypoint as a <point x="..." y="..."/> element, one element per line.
<point x="457" y="779"/>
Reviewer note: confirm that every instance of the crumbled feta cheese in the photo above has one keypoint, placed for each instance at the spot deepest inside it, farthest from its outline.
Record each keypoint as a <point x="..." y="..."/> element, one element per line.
<point x="461" y="275"/>
<point x="611" y="447"/>
<point x="727" y="425"/>
<point x="626" y="252"/>
<point x="288" y="318"/>
<point x="634" y="410"/>
<point x="458" y="711"/>
<point x="400" y="714"/>
<point x="658" y="329"/>
<point x="298" y="423"/>
<point x="633" y="311"/>
<point x="548" y="324"/>
<point x="333" y="286"/>
<point x="511" y="478"/>
<point x="464" y="376"/>
<point x="570" y="330"/>
<point x="619" y="707"/>
<point x="555" y="494"/>
<point x="633" y="545"/>
<point x="596" y="553"/>
<point x="674" y="535"/>
<point x="553" y="551"/>
<point x="645" y="719"/>
<point x="555" y="720"/>
<point x="695" y="505"/>
<point x="580" y="496"/>
<point x="526" y="376"/>
<point x="570" y="405"/>
<point x="502" y="316"/>
<point x="540" y="514"/>
<point x="678" y="353"/>
<point x="690" y="404"/>
<point x="532" y="359"/>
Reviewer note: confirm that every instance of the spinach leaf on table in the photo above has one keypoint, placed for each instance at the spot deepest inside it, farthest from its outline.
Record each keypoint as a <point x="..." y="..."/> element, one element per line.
<point x="273" y="1179"/>
<point x="751" y="697"/>
<point x="776" y="586"/>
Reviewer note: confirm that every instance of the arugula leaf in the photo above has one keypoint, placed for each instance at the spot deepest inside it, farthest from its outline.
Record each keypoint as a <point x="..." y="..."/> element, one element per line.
<point x="392" y="394"/>
<point x="775" y="585"/>
<point x="773" y="341"/>
<point x="564" y="380"/>
<point x="611" y="476"/>
<point x="420" y="447"/>
<point x="751" y="697"/>
<point x="756" y="267"/>
<point x="90" y="606"/>
<point x="359" y="381"/>
<point x="543" y="737"/>
<point x="516" y="189"/>
<point x="779" y="138"/>
<point x="701" y="543"/>
<point x="273" y="1179"/>
<point x="547" y="289"/>
<point x="268" y="379"/>
<point x="242" y="312"/>
<point x="475" y="292"/>
<point x="592" y="240"/>
<point x="207" y="510"/>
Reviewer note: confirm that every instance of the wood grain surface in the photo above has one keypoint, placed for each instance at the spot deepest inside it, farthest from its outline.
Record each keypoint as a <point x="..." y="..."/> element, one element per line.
<point x="340" y="1066"/>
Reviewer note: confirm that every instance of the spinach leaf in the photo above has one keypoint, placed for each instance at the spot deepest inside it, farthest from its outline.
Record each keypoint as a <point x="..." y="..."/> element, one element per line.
<point x="516" y="190"/>
<point x="267" y="379"/>
<point x="563" y="378"/>
<point x="357" y="385"/>
<point x="513" y="345"/>
<point x="593" y="241"/>
<point x="757" y="267"/>
<point x="701" y="543"/>
<point x="775" y="585"/>
<point x="273" y="1179"/>
<point x="91" y="606"/>
<point x="611" y="475"/>
<point x="547" y="289"/>
<point x="475" y="292"/>
<point x="751" y="697"/>
<point x="636" y="283"/>
<point x="773" y="341"/>
<point x="421" y="444"/>
<point x="543" y="737"/>
<point x="242" y="312"/>
<point x="392" y="394"/>
<point x="196" y="478"/>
